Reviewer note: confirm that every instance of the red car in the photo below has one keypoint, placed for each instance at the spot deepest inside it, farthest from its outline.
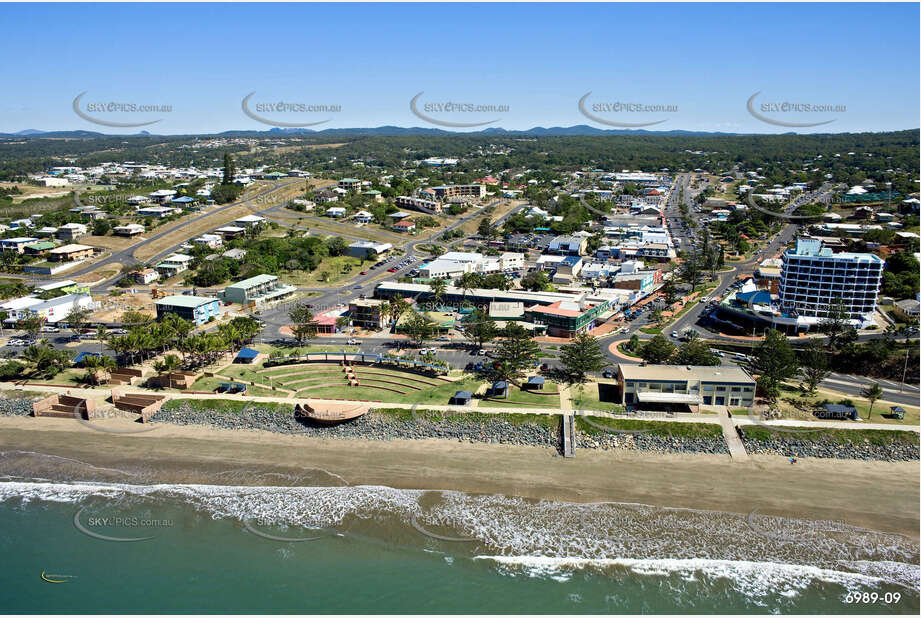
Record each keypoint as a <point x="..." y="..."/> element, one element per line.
<point x="364" y="272"/>
<point x="391" y="270"/>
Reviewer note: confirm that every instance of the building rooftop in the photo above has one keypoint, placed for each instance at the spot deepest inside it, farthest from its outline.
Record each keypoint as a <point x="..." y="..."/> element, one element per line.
<point x="684" y="372"/>
<point x="253" y="281"/>
<point x="181" y="300"/>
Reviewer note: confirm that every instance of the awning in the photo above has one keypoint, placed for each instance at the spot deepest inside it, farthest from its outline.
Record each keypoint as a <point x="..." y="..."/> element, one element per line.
<point x="651" y="397"/>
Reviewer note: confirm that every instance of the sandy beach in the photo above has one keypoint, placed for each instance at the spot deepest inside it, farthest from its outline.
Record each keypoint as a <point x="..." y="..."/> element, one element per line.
<point x="877" y="495"/>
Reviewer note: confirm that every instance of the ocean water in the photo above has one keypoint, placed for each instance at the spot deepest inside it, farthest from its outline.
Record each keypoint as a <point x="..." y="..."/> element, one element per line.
<point x="129" y="546"/>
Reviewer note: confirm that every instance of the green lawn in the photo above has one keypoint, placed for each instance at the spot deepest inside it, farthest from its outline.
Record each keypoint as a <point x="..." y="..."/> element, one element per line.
<point x="551" y="421"/>
<point x="659" y="428"/>
<point x="226" y="405"/>
<point x="837" y="436"/>
<point x="438" y="395"/>
<point x="517" y="396"/>
<point x="590" y="400"/>
<point x="796" y="406"/>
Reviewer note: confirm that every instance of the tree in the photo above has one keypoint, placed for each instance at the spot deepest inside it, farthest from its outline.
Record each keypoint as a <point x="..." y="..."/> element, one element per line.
<point x="305" y="325"/>
<point x="336" y="246"/>
<point x="45" y="360"/>
<point x="98" y="368"/>
<point x="101" y="227"/>
<point x="517" y="352"/>
<point x="469" y="281"/>
<point x="536" y="281"/>
<point x="872" y="393"/>
<point x="32" y="325"/>
<point x="582" y="356"/>
<point x="774" y="362"/>
<point x="657" y="316"/>
<point x="438" y="288"/>
<point x="418" y="327"/>
<point x="814" y="365"/>
<point x="695" y="352"/>
<point x="690" y="270"/>
<point x="480" y="328"/>
<point x="657" y="350"/>
<point x="669" y="291"/>
<point x="170" y="362"/>
<point x="11" y="369"/>
<point x="837" y="326"/>
<point x="486" y="229"/>
<point x="77" y="319"/>
<point x="228" y="169"/>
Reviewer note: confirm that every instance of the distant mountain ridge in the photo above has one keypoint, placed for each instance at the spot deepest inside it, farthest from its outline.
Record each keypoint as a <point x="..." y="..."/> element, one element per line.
<point x="389" y="130"/>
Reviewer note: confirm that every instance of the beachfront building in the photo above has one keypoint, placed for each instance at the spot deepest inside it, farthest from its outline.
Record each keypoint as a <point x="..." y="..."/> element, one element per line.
<point x="677" y="387"/>
<point x="196" y="309"/>
<point x="257" y="290"/>
<point x="813" y="279"/>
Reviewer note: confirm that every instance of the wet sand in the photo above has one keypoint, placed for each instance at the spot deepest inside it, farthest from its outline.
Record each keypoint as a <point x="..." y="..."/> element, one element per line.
<point x="876" y="495"/>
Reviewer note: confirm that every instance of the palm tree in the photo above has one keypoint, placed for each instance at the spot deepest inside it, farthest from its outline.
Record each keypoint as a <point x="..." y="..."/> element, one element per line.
<point x="98" y="368"/>
<point x="872" y="393"/>
<point x="438" y="287"/>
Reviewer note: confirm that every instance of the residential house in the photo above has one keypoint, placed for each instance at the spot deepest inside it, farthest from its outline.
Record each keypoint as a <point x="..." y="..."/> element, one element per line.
<point x="71" y="253"/>
<point x="72" y="231"/>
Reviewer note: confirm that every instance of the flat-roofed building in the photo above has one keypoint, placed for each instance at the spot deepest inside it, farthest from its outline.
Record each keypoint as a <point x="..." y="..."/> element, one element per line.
<point x="567" y="318"/>
<point x="813" y="279"/>
<point x="669" y="386"/>
<point x="72" y="231"/>
<point x="449" y="191"/>
<point x="366" y="313"/>
<point x="17" y="244"/>
<point x="368" y="249"/>
<point x="257" y="290"/>
<point x="56" y="309"/>
<point x="196" y="309"/>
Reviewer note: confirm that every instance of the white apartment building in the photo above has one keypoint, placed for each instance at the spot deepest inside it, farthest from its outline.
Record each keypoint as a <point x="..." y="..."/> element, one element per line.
<point x="812" y="279"/>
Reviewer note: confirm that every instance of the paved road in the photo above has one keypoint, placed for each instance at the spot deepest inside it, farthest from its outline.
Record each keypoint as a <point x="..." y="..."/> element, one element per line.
<point x="126" y="256"/>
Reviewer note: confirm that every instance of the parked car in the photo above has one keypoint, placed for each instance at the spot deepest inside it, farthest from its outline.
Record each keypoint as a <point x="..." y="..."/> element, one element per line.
<point x="364" y="272"/>
<point x="50" y="329"/>
<point x="608" y="374"/>
<point x="674" y="334"/>
<point x="482" y="352"/>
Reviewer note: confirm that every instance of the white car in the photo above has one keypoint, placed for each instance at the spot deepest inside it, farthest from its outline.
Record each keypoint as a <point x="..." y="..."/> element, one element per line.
<point x="353" y="342"/>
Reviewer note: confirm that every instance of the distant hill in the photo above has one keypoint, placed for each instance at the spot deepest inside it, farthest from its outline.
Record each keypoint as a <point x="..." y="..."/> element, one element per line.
<point x="385" y="131"/>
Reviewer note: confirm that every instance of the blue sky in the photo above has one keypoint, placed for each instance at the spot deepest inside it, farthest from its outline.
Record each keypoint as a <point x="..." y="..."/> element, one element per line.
<point x="537" y="59"/>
